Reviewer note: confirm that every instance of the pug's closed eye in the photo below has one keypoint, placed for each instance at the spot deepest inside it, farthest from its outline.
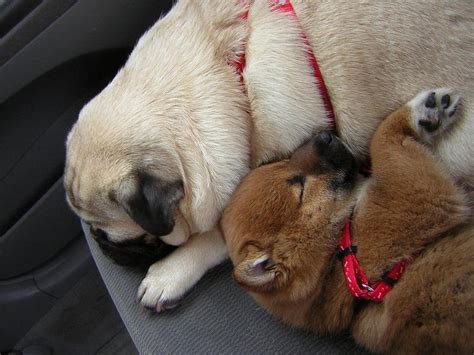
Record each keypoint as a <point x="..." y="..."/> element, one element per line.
<point x="300" y="181"/>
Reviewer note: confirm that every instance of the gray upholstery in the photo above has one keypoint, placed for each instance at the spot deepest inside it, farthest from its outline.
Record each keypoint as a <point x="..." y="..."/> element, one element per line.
<point x="215" y="317"/>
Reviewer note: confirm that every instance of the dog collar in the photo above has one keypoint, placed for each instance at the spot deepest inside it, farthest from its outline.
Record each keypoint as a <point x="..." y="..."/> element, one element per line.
<point x="286" y="7"/>
<point x="356" y="280"/>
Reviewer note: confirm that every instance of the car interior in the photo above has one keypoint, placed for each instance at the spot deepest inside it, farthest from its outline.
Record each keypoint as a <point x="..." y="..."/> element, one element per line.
<point x="58" y="293"/>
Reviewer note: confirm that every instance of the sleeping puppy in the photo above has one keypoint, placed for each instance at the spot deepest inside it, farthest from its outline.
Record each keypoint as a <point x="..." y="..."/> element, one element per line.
<point x="156" y="155"/>
<point x="283" y="224"/>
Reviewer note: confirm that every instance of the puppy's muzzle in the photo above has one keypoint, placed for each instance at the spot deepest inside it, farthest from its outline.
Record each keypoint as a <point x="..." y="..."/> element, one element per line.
<point x="332" y="154"/>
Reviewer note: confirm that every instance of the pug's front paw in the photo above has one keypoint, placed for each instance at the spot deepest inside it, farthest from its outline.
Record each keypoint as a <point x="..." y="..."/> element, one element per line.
<point x="164" y="286"/>
<point x="169" y="279"/>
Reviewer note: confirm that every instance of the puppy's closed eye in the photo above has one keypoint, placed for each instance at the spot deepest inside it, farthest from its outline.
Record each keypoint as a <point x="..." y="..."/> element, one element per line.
<point x="298" y="180"/>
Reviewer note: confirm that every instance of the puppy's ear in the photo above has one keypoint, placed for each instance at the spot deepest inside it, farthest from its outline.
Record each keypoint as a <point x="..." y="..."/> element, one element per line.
<point x="257" y="273"/>
<point x="153" y="203"/>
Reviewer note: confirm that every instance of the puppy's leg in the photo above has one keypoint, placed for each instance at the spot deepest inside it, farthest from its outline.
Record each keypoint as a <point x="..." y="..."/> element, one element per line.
<point x="423" y="119"/>
<point x="409" y="180"/>
<point x="403" y="164"/>
<point x="169" y="279"/>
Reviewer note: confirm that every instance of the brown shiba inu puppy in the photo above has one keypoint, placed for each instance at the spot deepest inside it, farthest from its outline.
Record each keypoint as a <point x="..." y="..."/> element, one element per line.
<point x="284" y="221"/>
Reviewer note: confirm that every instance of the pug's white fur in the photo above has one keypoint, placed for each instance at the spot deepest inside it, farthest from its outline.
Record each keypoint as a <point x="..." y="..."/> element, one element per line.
<point x="179" y="109"/>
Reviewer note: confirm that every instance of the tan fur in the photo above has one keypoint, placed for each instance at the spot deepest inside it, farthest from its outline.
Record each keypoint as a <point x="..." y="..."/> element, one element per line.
<point x="409" y="207"/>
<point x="177" y="110"/>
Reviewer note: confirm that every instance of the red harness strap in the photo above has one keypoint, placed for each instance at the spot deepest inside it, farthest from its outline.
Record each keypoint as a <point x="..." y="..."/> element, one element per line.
<point x="239" y="64"/>
<point x="356" y="280"/>
<point x="285" y="6"/>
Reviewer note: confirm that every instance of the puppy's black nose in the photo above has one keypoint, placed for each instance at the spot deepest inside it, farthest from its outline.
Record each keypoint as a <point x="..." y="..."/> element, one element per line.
<point x="325" y="137"/>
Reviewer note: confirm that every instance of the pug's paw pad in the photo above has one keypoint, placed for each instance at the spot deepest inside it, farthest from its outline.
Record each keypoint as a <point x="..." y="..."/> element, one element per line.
<point x="163" y="287"/>
<point x="433" y="111"/>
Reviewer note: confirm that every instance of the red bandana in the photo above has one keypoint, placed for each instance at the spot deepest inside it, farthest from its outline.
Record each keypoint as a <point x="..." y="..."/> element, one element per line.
<point x="356" y="280"/>
<point x="285" y="6"/>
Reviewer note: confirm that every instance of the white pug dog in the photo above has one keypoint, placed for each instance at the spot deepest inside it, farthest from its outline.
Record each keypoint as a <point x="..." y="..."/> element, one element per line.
<point x="157" y="154"/>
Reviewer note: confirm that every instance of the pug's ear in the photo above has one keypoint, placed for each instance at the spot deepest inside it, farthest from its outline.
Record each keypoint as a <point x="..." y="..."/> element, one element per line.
<point x="153" y="203"/>
<point x="257" y="273"/>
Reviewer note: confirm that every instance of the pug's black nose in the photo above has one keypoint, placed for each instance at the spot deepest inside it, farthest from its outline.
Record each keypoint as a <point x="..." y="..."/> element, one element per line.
<point x="325" y="137"/>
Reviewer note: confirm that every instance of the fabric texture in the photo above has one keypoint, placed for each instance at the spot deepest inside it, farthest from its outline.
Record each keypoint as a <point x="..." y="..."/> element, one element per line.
<point x="216" y="317"/>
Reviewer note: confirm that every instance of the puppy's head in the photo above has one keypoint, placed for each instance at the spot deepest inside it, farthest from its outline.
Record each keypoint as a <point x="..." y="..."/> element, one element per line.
<point x="126" y="187"/>
<point x="282" y="223"/>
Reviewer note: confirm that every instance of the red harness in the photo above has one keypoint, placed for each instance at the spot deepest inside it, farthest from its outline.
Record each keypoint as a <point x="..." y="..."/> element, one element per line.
<point x="356" y="280"/>
<point x="285" y="7"/>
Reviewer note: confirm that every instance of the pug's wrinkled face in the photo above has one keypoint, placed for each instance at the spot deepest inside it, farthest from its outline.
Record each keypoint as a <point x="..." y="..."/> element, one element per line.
<point x="132" y="209"/>
<point x="282" y="222"/>
<point x="130" y="219"/>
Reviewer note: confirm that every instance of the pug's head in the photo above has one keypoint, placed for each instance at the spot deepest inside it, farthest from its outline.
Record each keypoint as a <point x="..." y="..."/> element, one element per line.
<point x="126" y="187"/>
<point x="157" y="154"/>
<point x="282" y="223"/>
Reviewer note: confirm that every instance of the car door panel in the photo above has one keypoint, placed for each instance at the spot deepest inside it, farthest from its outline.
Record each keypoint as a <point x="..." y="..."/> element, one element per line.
<point x="54" y="57"/>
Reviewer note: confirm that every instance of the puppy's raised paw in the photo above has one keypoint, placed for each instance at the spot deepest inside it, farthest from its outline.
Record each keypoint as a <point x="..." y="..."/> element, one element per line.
<point x="433" y="111"/>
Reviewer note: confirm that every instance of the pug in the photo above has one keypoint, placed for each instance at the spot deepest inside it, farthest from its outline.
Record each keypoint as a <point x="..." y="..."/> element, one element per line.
<point x="155" y="157"/>
<point x="283" y="228"/>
